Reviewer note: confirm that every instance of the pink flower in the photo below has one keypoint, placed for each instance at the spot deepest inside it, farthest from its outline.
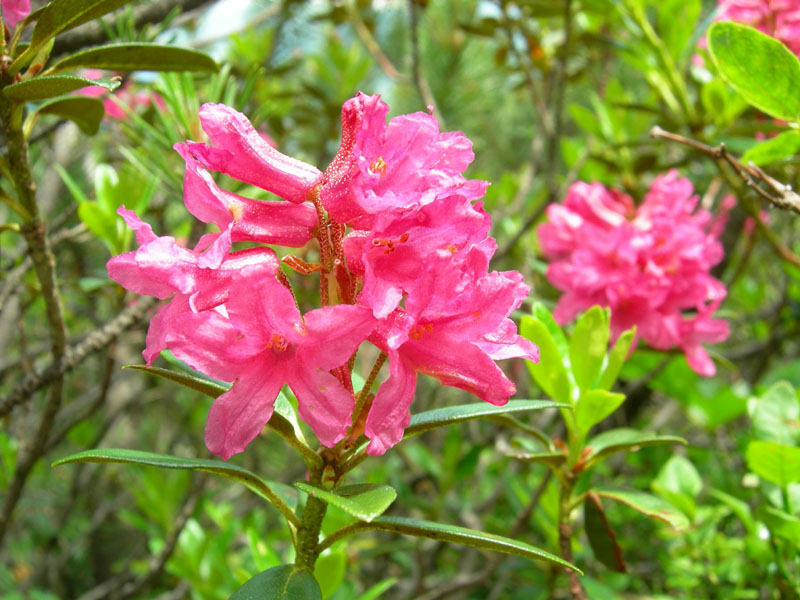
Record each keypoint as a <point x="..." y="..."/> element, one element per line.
<point x="411" y="276"/>
<point x="777" y="18"/>
<point x="454" y="331"/>
<point x="280" y="223"/>
<point x="15" y="11"/>
<point x="262" y="344"/>
<point x="399" y="165"/>
<point x="649" y="265"/>
<point x="195" y="280"/>
<point x="239" y="150"/>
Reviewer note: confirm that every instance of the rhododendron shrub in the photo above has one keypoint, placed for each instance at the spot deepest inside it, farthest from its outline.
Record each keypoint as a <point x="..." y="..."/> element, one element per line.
<point x="403" y="266"/>
<point x="650" y="264"/>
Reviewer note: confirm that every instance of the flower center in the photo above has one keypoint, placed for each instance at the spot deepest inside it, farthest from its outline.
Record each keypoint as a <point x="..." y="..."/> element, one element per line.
<point x="277" y="343"/>
<point x="379" y="166"/>
<point x="388" y="245"/>
<point x="418" y="331"/>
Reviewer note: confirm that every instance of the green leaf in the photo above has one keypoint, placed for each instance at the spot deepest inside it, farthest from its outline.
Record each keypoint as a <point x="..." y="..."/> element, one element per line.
<point x="100" y="223"/>
<point x="782" y="524"/>
<point x="550" y="372"/>
<point x="198" y="384"/>
<point x="740" y="508"/>
<point x="775" y="416"/>
<point x="377" y="590"/>
<point x="216" y="467"/>
<point x="467" y="537"/>
<point x="138" y="56"/>
<point x="41" y="88"/>
<point x="759" y="67"/>
<point x="679" y="483"/>
<point x="286" y="582"/>
<point x="62" y="15"/>
<point x="329" y="571"/>
<point x="541" y="314"/>
<point x="451" y="415"/>
<point x="551" y="459"/>
<point x="601" y="536"/>
<point x="774" y="462"/>
<point x="624" y="440"/>
<point x="616" y="358"/>
<point x="778" y="148"/>
<point x="364" y="501"/>
<point x="647" y="504"/>
<point x="588" y="346"/>
<point x="85" y="112"/>
<point x="594" y="406"/>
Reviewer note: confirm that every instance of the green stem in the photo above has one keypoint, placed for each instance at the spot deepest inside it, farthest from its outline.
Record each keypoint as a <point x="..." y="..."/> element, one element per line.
<point x="307" y="541"/>
<point x="43" y="260"/>
<point x="567" y="482"/>
<point x="284" y="428"/>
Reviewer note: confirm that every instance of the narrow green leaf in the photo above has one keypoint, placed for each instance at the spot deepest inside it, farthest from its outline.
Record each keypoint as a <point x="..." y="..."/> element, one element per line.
<point x="782" y="146"/>
<point x="451" y="415"/>
<point x="774" y="462"/>
<point x="467" y="537"/>
<point x="138" y="56"/>
<point x="198" y="384"/>
<point x="85" y="112"/>
<point x="285" y="582"/>
<point x="62" y="15"/>
<point x="216" y="467"/>
<point x="594" y="406"/>
<point x="41" y="88"/>
<point x="775" y="416"/>
<point x="364" y="501"/>
<point x="588" y="346"/>
<point x="377" y="590"/>
<point x="740" y="508"/>
<point x="616" y="358"/>
<point x="759" y="67"/>
<point x="550" y="372"/>
<point x="601" y="536"/>
<point x="647" y="504"/>
<point x="624" y="440"/>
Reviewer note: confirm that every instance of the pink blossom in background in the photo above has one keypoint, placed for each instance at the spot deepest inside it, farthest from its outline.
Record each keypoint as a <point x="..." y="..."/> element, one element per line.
<point x="650" y="264"/>
<point x="15" y="11"/>
<point x="777" y="18"/>
<point x="404" y="260"/>
<point x="124" y="95"/>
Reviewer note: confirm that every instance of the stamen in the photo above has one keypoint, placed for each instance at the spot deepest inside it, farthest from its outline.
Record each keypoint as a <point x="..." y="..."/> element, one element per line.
<point x="379" y="166"/>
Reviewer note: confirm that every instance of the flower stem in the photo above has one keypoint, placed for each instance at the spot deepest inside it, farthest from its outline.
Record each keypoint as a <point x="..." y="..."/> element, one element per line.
<point x="566" y="483"/>
<point x="307" y="541"/>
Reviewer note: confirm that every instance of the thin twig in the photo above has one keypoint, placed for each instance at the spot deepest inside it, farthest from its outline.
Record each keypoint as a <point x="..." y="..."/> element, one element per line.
<point x="372" y="46"/>
<point x="74" y="355"/>
<point x="423" y="89"/>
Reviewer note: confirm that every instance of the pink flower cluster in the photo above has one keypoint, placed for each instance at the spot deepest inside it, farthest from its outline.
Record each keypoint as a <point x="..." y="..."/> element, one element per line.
<point x="778" y="18"/>
<point x="650" y="264"/>
<point x="403" y="263"/>
<point x="15" y="11"/>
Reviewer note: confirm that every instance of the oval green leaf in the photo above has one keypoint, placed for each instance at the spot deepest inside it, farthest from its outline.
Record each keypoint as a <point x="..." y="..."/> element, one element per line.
<point x="616" y="358"/>
<point x="138" y="56"/>
<point x="206" y="387"/>
<point x="774" y="462"/>
<point x="466" y="537"/>
<point x="364" y="501"/>
<point x="759" y="67"/>
<point x="85" y="112"/>
<point x="550" y="372"/>
<point x="780" y="147"/>
<point x="216" y="467"/>
<point x="594" y="406"/>
<point x="49" y="86"/>
<point x="450" y="415"/>
<point x="285" y="582"/>
<point x="624" y="440"/>
<point x="647" y="504"/>
<point x="601" y="535"/>
<point x="588" y="346"/>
